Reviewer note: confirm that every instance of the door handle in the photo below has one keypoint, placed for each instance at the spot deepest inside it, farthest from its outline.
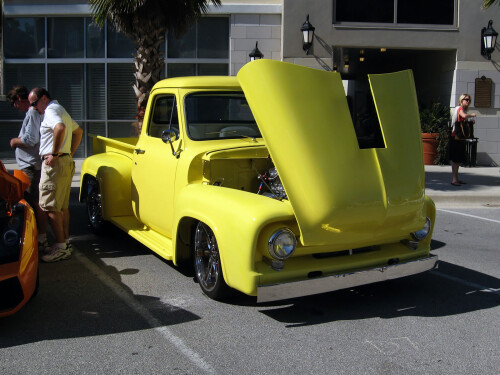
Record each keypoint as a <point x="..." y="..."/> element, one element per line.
<point x="139" y="151"/>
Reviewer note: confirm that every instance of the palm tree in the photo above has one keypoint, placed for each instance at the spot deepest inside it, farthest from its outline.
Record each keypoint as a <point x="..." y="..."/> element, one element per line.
<point x="145" y="22"/>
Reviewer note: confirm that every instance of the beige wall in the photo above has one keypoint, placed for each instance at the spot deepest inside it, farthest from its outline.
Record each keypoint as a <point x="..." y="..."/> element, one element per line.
<point x="246" y="29"/>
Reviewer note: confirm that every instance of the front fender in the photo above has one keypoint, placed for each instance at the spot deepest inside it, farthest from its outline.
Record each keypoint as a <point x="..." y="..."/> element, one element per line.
<point x="113" y="172"/>
<point x="430" y="210"/>
<point x="236" y="218"/>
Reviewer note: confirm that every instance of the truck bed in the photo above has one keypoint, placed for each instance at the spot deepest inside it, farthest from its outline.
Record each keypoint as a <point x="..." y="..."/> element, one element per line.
<point x="102" y="144"/>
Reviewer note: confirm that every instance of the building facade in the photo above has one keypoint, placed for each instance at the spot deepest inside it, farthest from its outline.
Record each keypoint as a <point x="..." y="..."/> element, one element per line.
<point x="53" y="43"/>
<point x="440" y="40"/>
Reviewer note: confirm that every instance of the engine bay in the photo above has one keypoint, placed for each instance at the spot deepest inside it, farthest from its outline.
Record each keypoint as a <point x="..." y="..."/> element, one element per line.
<point x="257" y="175"/>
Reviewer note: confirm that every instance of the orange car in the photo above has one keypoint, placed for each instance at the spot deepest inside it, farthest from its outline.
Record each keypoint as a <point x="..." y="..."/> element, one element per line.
<point x="18" y="244"/>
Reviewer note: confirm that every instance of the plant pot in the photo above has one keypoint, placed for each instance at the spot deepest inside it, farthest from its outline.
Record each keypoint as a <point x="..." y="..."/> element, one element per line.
<point x="430" y="143"/>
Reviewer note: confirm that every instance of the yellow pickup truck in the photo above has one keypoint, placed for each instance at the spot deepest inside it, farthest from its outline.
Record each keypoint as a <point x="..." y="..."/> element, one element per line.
<point x="266" y="185"/>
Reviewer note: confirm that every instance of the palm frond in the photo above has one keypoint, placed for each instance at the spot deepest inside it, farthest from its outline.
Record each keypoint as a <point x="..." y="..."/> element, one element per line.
<point x="488" y="3"/>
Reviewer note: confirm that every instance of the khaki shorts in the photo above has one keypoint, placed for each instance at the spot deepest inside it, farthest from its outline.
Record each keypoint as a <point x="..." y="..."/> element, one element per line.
<point x="55" y="184"/>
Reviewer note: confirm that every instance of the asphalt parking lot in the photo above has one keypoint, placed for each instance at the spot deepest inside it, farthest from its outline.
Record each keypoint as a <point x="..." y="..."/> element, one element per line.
<point x="115" y="308"/>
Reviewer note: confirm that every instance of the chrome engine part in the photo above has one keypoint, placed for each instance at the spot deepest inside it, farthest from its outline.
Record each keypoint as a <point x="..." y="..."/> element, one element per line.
<point x="270" y="185"/>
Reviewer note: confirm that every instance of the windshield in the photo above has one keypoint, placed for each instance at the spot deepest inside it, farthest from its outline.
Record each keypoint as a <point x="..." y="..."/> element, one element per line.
<point x="215" y="115"/>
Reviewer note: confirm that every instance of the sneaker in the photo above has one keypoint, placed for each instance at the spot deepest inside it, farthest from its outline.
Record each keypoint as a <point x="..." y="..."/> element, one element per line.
<point x="69" y="247"/>
<point x="42" y="247"/>
<point x="55" y="254"/>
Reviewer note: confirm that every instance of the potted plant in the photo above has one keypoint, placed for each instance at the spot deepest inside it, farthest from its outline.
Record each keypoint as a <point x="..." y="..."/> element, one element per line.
<point x="434" y="122"/>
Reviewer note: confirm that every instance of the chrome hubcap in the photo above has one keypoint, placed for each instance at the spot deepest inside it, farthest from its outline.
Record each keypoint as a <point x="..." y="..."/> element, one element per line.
<point x="94" y="203"/>
<point x="207" y="261"/>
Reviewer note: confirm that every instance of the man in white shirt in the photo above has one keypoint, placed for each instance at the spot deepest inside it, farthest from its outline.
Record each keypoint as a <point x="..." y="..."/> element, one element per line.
<point x="26" y="146"/>
<point x="60" y="136"/>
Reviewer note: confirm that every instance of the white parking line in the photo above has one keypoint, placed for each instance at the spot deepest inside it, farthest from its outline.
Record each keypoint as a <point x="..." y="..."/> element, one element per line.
<point x="468" y="215"/>
<point x="176" y="341"/>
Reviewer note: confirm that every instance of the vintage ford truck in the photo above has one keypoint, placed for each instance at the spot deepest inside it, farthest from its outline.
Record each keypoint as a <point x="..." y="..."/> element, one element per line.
<point x="263" y="182"/>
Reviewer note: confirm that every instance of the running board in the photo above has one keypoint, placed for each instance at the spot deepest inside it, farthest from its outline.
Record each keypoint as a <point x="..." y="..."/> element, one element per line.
<point x="147" y="236"/>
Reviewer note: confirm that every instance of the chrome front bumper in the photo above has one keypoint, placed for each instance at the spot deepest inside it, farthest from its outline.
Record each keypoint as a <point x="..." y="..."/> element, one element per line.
<point x="266" y="293"/>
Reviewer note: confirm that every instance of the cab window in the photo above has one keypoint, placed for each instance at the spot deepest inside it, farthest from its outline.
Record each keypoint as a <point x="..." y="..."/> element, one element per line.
<point x="164" y="115"/>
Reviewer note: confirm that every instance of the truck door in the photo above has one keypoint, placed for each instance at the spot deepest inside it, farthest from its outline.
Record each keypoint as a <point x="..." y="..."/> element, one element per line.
<point x="154" y="166"/>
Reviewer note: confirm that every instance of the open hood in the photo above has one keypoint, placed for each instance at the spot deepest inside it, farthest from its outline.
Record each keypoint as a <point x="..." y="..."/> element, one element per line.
<point x="12" y="187"/>
<point x="338" y="191"/>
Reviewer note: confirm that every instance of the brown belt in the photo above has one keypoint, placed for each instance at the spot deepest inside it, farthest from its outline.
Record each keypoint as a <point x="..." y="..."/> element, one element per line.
<point x="59" y="155"/>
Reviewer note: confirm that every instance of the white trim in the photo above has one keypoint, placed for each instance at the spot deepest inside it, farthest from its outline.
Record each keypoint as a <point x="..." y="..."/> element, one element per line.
<point x="84" y="9"/>
<point x="47" y="10"/>
<point x="246" y="9"/>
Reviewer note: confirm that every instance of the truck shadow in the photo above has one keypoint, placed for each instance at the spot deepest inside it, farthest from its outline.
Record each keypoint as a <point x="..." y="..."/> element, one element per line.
<point x="85" y="297"/>
<point x="449" y="290"/>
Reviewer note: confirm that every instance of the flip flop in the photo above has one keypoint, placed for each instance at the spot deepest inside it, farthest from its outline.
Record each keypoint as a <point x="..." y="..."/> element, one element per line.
<point x="462" y="182"/>
<point x="455" y="184"/>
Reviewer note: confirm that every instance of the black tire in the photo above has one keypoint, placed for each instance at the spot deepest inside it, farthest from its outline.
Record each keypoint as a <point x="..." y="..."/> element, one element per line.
<point x="94" y="207"/>
<point x="207" y="264"/>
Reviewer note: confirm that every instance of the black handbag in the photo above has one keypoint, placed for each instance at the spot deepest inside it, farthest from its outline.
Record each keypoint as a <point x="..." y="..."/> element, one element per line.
<point x="464" y="130"/>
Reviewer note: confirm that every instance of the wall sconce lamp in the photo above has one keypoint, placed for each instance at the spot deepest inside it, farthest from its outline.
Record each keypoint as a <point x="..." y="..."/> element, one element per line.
<point x="346" y="63"/>
<point x="361" y="55"/>
<point x="488" y="40"/>
<point x="307" y="35"/>
<point x="256" y="54"/>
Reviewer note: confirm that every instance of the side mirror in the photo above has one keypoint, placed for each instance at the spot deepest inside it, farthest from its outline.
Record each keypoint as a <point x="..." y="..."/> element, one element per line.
<point x="169" y="136"/>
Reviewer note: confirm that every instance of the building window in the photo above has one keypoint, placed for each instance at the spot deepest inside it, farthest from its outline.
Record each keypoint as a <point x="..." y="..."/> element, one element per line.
<point x="65" y="84"/>
<point x="65" y="37"/>
<point x="119" y="45"/>
<point x="213" y="38"/>
<point x="121" y="97"/>
<point x="426" y="12"/>
<point x="96" y="92"/>
<point x="24" y="37"/>
<point x="89" y="70"/>
<point x="364" y="11"/>
<point x="95" y="39"/>
<point x="423" y="12"/>
<point x="208" y="39"/>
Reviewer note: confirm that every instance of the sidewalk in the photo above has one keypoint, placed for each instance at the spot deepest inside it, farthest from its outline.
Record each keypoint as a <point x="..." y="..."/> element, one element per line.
<point x="482" y="188"/>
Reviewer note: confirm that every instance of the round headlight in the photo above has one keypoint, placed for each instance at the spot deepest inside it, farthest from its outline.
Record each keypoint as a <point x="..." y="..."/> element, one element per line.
<point x="420" y="235"/>
<point x="282" y="244"/>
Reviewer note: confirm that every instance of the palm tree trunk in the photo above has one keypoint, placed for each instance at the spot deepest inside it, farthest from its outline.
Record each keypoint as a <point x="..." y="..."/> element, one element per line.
<point x="149" y="63"/>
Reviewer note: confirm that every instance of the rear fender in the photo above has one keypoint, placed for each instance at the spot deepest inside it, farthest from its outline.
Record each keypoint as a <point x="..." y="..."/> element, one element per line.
<point x="113" y="173"/>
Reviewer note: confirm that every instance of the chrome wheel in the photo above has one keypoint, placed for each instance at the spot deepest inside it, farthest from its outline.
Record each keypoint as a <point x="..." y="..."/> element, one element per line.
<point x="207" y="263"/>
<point x="94" y="206"/>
